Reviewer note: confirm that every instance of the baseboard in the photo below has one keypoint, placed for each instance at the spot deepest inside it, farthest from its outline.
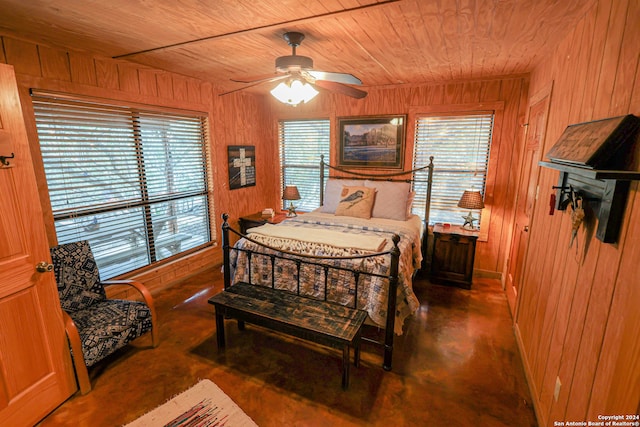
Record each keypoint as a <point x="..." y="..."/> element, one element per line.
<point x="527" y="373"/>
<point x="489" y="274"/>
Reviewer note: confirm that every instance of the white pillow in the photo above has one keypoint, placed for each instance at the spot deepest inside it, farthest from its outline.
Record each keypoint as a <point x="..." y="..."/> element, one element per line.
<point x="412" y="196"/>
<point x="332" y="191"/>
<point x="391" y="199"/>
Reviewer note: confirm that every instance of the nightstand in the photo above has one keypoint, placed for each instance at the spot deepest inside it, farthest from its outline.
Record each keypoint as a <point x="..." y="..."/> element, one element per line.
<point x="454" y="250"/>
<point x="257" y="219"/>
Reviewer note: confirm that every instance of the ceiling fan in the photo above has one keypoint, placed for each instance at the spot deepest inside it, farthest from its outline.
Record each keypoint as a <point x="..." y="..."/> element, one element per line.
<point x="296" y="67"/>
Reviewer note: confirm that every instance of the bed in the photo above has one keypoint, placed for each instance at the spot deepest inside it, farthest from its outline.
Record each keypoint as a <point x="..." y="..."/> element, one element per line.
<point x="350" y="238"/>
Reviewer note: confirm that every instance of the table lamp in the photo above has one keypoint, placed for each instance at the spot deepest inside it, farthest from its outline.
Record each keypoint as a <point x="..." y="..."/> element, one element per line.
<point x="470" y="200"/>
<point x="291" y="193"/>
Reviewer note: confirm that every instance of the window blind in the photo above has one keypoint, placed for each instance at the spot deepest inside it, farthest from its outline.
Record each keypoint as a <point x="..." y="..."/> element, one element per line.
<point x="132" y="182"/>
<point x="460" y="145"/>
<point x="301" y="144"/>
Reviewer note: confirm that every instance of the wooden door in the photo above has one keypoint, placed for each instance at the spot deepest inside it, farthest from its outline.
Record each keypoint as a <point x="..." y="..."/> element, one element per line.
<point x="36" y="374"/>
<point x="526" y="194"/>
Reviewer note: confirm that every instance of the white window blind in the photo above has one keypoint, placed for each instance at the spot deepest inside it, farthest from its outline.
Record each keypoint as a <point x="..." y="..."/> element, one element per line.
<point x="301" y="144"/>
<point x="460" y="145"/>
<point x="131" y="182"/>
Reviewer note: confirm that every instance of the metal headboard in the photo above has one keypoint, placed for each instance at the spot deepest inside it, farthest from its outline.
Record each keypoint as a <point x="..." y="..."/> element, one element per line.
<point x="382" y="177"/>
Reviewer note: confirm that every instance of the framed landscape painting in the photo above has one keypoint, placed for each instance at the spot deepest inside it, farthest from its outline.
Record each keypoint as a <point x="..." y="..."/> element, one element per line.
<point x="376" y="141"/>
<point x="242" y="166"/>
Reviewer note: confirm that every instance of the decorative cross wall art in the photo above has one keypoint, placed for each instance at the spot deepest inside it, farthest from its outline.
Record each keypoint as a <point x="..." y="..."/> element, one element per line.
<point x="242" y="169"/>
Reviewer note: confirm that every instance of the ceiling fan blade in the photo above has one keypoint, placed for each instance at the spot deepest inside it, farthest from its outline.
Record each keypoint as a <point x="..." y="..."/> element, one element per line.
<point x="256" y="83"/>
<point x="345" y="78"/>
<point x="256" y="79"/>
<point x="340" y="88"/>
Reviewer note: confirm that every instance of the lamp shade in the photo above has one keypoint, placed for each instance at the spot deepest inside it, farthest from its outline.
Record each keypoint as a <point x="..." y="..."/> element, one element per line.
<point x="290" y="193"/>
<point x="471" y="200"/>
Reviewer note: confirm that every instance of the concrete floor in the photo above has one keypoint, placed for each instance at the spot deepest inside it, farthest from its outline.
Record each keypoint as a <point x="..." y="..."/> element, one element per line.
<point x="457" y="364"/>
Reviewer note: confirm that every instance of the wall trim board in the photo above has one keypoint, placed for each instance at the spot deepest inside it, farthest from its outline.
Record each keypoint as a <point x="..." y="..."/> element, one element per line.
<point x="109" y="95"/>
<point x="457" y="108"/>
<point x="488" y="274"/>
<point x="500" y="77"/>
<point x="527" y="373"/>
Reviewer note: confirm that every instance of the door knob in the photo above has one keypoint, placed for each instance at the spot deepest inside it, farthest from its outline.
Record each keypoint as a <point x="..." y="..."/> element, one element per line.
<point x="526" y="228"/>
<point x="43" y="267"/>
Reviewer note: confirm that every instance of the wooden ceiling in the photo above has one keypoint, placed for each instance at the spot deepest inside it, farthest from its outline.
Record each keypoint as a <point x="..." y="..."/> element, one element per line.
<point x="382" y="42"/>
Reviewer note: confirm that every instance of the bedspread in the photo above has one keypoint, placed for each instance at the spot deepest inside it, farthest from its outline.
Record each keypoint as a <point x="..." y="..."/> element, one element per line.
<point x="372" y="292"/>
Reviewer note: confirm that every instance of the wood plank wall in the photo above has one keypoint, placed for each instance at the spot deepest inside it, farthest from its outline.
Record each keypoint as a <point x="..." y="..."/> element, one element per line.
<point x="578" y="316"/>
<point x="238" y="120"/>
<point x="509" y="94"/>
<point x="244" y="119"/>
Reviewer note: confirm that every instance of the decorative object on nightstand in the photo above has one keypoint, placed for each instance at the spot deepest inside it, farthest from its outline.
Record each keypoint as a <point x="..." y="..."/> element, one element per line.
<point x="454" y="250"/>
<point x="291" y="193"/>
<point x="470" y="199"/>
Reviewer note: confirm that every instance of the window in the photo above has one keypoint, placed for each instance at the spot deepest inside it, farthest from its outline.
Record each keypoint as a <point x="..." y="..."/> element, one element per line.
<point x="301" y="144"/>
<point x="460" y="145"/>
<point x="132" y="182"/>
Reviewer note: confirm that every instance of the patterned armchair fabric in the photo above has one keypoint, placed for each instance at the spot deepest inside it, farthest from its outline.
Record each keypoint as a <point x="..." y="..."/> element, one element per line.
<point x="77" y="276"/>
<point x="104" y="325"/>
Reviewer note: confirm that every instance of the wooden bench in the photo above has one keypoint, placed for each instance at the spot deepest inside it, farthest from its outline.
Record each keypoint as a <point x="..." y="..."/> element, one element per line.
<point x="307" y="318"/>
<point x="303" y="316"/>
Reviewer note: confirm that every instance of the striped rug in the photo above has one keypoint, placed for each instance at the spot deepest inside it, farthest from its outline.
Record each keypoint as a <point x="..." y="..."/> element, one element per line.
<point x="203" y="405"/>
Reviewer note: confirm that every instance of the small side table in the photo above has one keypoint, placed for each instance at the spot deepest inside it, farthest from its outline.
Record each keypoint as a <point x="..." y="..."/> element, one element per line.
<point x="454" y="250"/>
<point x="257" y="219"/>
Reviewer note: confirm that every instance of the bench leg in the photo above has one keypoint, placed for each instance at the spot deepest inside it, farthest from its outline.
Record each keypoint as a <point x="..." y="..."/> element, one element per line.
<point x="356" y="353"/>
<point x="220" y="330"/>
<point x="345" y="367"/>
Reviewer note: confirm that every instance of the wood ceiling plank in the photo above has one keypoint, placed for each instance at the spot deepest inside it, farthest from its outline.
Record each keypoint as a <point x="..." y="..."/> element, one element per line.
<point x="425" y="41"/>
<point x="408" y="30"/>
<point x="408" y="41"/>
<point x="447" y="13"/>
<point x="465" y="37"/>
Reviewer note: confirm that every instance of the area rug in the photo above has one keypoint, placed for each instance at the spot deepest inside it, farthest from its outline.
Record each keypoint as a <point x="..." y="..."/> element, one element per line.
<point x="202" y="405"/>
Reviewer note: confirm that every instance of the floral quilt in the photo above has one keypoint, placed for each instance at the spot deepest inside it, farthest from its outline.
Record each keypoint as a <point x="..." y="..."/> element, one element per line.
<point x="371" y="292"/>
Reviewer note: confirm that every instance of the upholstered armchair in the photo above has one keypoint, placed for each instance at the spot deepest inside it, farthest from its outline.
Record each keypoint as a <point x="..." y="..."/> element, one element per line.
<point x="96" y="326"/>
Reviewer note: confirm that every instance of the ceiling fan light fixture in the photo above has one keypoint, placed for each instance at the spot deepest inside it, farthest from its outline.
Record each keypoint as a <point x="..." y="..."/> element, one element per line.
<point x="294" y="92"/>
<point x="301" y="79"/>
